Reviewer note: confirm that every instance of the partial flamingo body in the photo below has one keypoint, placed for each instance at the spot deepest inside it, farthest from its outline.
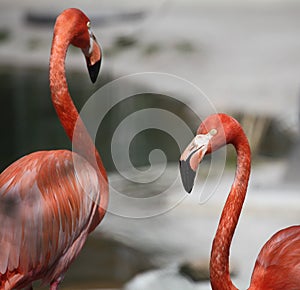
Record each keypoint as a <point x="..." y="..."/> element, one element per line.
<point x="278" y="264"/>
<point x="51" y="200"/>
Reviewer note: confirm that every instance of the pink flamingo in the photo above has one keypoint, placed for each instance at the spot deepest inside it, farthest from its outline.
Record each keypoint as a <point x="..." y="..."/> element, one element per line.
<point x="278" y="264"/>
<point x="47" y="208"/>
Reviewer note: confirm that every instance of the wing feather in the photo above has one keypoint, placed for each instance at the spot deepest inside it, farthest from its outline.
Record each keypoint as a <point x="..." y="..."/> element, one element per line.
<point x="44" y="206"/>
<point x="278" y="263"/>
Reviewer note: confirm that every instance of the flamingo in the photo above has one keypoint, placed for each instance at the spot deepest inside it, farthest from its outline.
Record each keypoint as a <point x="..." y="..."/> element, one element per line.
<point x="278" y="264"/>
<point x="47" y="205"/>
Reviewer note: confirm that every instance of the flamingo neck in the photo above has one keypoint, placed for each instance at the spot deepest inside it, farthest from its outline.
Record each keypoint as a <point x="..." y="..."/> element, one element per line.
<point x="219" y="265"/>
<point x="69" y="117"/>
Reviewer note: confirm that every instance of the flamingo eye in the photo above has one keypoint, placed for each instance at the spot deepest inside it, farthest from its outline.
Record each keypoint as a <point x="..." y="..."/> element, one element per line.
<point x="88" y="24"/>
<point x="213" y="132"/>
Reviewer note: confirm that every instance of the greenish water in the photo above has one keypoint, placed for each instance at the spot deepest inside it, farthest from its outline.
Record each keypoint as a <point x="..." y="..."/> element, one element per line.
<point x="29" y="123"/>
<point x="28" y="120"/>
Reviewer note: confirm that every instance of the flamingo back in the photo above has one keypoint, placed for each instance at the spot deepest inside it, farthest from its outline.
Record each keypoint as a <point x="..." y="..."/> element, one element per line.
<point x="278" y="264"/>
<point x="46" y="206"/>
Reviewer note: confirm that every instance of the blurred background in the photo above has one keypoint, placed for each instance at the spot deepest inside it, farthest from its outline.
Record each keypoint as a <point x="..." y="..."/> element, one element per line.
<point x="245" y="59"/>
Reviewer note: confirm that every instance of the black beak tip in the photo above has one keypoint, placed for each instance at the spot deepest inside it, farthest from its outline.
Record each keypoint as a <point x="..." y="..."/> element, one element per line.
<point x="187" y="175"/>
<point x="94" y="70"/>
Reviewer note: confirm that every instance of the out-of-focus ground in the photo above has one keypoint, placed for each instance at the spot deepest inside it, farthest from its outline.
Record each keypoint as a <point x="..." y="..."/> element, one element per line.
<point x="245" y="57"/>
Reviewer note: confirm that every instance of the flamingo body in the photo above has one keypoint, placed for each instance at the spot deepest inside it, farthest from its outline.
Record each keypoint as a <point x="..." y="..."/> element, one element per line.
<point x="278" y="264"/>
<point x="51" y="200"/>
<point x="44" y="223"/>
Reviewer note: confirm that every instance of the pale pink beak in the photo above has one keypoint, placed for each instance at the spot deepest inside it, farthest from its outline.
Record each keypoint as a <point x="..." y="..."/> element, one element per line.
<point x="190" y="159"/>
<point x="93" y="57"/>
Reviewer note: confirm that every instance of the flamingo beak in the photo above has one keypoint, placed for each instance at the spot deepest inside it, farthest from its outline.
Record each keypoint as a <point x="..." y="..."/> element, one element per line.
<point x="190" y="159"/>
<point x="93" y="58"/>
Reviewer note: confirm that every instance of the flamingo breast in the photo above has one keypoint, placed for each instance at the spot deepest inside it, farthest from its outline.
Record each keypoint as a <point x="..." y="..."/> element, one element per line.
<point x="47" y="201"/>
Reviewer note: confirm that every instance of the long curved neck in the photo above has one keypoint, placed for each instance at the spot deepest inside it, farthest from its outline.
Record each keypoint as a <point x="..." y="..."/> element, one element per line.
<point x="219" y="263"/>
<point x="69" y="117"/>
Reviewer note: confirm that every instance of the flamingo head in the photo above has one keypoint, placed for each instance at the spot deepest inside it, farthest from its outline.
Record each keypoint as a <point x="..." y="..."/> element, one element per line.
<point x="77" y="25"/>
<point x="214" y="132"/>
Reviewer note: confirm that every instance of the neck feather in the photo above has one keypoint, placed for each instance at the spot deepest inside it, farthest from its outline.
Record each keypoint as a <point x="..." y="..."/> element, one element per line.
<point x="68" y="114"/>
<point x="219" y="265"/>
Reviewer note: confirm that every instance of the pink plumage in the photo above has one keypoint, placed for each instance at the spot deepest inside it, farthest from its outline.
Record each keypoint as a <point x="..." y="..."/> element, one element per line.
<point x="51" y="200"/>
<point x="278" y="264"/>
